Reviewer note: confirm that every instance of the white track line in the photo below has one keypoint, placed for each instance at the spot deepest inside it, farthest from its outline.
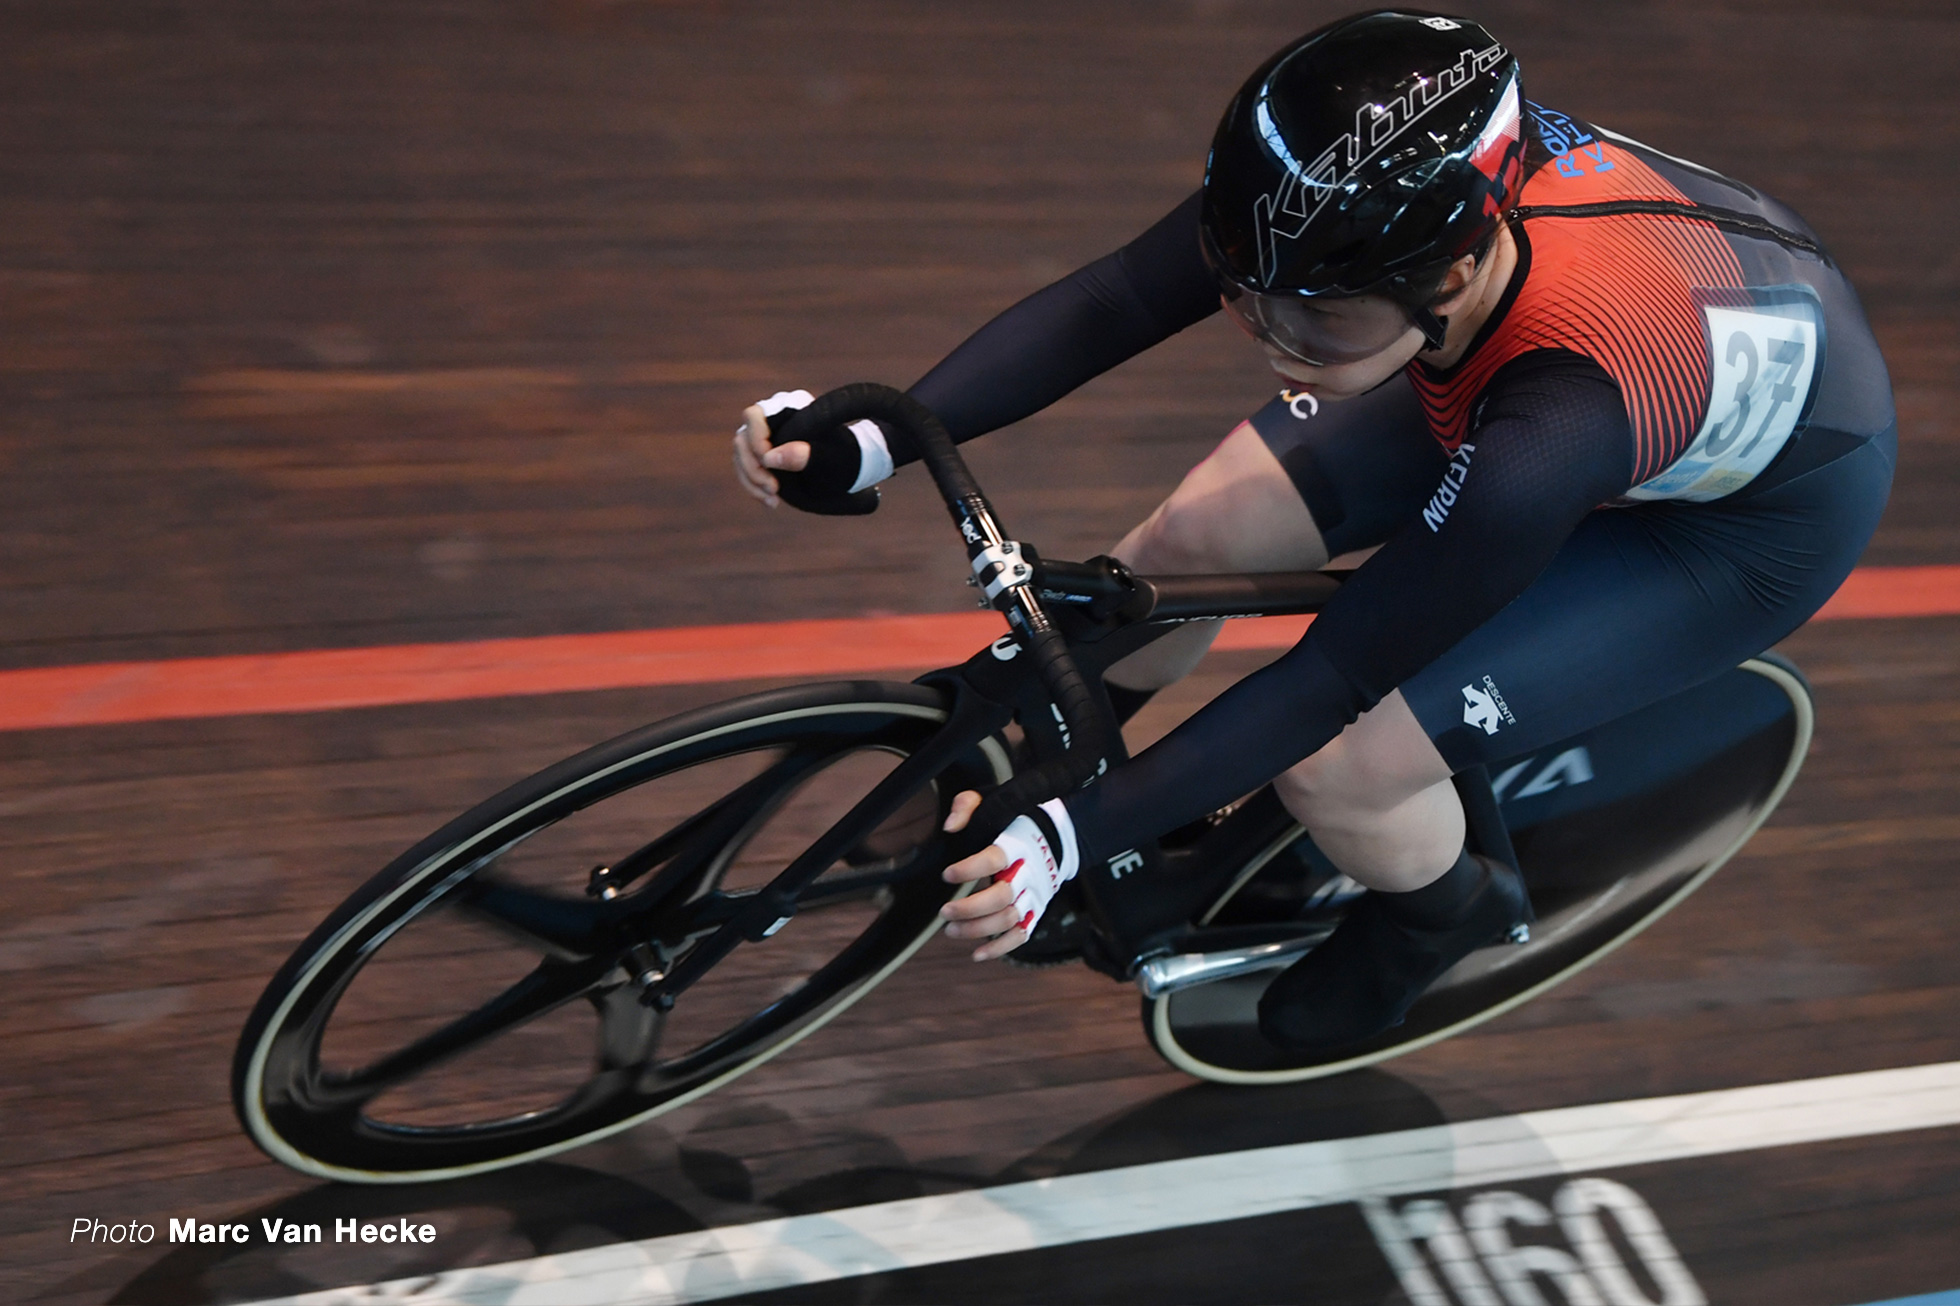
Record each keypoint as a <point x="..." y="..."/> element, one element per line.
<point x="745" y="1259"/>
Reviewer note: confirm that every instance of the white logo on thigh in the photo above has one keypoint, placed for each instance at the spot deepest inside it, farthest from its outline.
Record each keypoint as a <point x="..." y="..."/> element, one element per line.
<point x="1485" y="708"/>
<point x="1294" y="401"/>
<point x="1005" y="648"/>
<point x="1479" y="711"/>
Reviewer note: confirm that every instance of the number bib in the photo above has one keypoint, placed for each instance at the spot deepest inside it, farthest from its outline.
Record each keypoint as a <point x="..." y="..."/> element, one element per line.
<point x="1765" y="358"/>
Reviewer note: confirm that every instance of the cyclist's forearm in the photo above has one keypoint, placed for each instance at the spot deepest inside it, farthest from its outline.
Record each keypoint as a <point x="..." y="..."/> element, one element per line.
<point x="1243" y="738"/>
<point x="1025" y="359"/>
<point x="1072" y="331"/>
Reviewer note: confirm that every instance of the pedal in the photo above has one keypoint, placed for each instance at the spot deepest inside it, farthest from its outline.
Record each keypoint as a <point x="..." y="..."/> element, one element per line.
<point x="1161" y="976"/>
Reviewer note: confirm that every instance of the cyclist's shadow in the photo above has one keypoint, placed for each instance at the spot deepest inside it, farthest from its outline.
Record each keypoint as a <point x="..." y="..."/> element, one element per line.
<point x="1328" y="1252"/>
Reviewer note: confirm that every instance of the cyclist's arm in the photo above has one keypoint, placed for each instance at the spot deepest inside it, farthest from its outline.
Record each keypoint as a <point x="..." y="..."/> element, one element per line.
<point x="1073" y="331"/>
<point x="1551" y="444"/>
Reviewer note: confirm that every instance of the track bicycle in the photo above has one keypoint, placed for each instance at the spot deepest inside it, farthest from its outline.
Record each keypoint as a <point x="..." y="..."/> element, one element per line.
<point x="640" y="924"/>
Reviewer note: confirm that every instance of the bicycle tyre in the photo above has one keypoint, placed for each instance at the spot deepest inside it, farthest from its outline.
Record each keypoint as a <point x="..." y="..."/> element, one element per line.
<point x="1211" y="1031"/>
<point x="317" y="1121"/>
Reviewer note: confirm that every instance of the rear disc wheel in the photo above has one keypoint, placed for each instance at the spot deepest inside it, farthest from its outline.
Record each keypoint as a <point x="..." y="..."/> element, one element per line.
<point x="1602" y="863"/>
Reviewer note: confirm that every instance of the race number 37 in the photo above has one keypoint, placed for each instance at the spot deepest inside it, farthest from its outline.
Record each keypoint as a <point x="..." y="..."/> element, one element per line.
<point x="1764" y="361"/>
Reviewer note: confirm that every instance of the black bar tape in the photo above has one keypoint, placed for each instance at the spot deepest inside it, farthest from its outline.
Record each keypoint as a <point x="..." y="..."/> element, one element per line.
<point x="1089" y="750"/>
<point x="862" y="399"/>
<point x="824" y="484"/>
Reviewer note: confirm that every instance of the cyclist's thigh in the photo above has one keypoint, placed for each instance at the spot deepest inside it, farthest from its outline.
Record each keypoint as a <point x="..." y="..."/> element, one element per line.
<point x="1645" y="602"/>
<point x="1363" y="466"/>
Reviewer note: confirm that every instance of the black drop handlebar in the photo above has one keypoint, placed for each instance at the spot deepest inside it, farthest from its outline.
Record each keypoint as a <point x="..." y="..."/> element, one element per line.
<point x="1007" y="578"/>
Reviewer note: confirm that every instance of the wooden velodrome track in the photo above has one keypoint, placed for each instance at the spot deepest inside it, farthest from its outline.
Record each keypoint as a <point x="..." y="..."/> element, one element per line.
<point x="368" y="324"/>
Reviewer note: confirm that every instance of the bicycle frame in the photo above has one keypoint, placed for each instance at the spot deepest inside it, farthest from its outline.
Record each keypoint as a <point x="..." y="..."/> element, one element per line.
<point x="1106" y="614"/>
<point x="1615" y="825"/>
<point x="1074" y="620"/>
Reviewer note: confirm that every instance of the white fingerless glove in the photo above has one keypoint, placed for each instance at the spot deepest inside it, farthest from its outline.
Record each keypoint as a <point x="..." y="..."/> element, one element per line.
<point x="1041" y="858"/>
<point x="874" y="455"/>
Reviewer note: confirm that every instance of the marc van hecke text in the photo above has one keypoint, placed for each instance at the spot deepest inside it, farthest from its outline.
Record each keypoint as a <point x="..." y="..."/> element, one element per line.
<point x="274" y="1231"/>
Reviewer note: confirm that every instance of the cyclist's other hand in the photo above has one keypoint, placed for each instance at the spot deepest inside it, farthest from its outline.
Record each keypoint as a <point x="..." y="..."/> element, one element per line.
<point x="986" y="912"/>
<point x="835" y="473"/>
<point x="1032" y="858"/>
<point x="756" y="459"/>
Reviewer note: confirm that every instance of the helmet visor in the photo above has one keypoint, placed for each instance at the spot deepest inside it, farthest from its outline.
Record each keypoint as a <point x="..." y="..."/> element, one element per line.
<point x="1319" y="330"/>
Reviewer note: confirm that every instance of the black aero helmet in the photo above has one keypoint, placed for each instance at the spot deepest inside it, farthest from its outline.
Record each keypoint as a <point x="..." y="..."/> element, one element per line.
<point x="1364" y="158"/>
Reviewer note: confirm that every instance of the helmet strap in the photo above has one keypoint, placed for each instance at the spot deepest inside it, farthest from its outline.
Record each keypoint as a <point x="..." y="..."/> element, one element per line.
<point x="1431" y="326"/>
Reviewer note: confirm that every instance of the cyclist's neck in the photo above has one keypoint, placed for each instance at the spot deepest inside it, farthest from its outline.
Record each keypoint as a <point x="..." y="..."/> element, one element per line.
<point x="1486" y="291"/>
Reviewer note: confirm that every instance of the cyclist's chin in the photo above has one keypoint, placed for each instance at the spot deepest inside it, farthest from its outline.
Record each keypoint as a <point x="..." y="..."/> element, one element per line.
<point x="1335" y="382"/>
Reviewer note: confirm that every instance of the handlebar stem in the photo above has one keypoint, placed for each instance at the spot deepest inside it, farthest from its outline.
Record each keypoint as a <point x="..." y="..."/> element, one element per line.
<point x="1001" y="566"/>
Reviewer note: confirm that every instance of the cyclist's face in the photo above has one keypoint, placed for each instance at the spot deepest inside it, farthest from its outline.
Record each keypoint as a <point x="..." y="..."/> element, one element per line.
<point x="1322" y="332"/>
<point x="1337" y="348"/>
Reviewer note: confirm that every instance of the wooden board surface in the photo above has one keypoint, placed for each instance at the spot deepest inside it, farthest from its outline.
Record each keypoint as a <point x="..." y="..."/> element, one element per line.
<point x="360" y="324"/>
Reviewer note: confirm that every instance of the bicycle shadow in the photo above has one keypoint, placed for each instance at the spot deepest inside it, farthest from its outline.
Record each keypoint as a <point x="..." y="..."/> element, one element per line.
<point x="1208" y="1119"/>
<point x="551" y="1207"/>
<point x="1325" y="1254"/>
<point x="1200" y="1120"/>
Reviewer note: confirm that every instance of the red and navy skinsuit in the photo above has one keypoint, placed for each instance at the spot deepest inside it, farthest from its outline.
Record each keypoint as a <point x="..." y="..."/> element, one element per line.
<point x="1663" y="452"/>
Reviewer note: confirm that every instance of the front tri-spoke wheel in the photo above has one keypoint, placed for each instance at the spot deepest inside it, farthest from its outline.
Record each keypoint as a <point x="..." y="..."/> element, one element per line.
<point x="481" y="1002"/>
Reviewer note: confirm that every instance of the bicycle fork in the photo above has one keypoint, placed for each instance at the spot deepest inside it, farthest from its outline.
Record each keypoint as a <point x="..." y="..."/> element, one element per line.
<point x="774" y="905"/>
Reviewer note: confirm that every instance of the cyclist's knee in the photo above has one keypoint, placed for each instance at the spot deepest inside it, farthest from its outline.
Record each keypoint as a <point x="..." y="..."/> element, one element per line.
<point x="1235" y="511"/>
<point x="1331" y="788"/>
<point x="1182" y="535"/>
<point x="1367" y="771"/>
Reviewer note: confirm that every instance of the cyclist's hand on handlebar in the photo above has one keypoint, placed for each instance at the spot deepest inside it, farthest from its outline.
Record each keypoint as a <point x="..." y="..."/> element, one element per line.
<point x="833" y="473"/>
<point x="756" y="460"/>
<point x="1032" y="858"/>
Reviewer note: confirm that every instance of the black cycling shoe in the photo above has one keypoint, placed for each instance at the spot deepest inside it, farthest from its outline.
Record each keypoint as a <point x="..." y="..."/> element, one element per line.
<point x="1365" y="977"/>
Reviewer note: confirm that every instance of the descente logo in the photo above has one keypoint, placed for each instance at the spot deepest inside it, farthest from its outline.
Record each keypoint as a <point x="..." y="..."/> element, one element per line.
<point x="1444" y="499"/>
<point x="1485" y="708"/>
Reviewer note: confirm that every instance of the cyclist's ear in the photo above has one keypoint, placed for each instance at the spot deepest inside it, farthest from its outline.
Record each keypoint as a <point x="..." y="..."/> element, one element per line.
<point x="1450" y="293"/>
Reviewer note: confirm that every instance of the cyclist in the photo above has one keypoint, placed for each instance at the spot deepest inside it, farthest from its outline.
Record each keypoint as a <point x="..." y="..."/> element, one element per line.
<point x="1615" y="421"/>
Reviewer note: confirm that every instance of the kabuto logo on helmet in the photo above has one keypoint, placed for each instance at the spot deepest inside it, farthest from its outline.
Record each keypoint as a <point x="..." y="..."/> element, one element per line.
<point x="1285" y="212"/>
<point x="1364" y="158"/>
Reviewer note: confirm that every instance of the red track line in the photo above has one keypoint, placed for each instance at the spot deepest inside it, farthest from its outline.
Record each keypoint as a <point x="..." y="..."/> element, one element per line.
<point x="105" y="693"/>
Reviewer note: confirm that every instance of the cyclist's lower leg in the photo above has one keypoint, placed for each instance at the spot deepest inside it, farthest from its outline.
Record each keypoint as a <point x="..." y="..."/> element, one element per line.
<point x="1379" y="804"/>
